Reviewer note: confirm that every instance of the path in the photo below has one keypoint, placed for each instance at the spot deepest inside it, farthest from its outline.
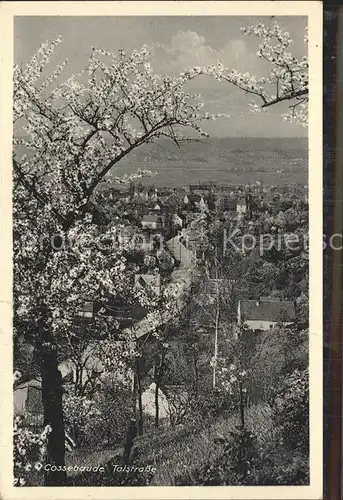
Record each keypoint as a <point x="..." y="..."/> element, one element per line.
<point x="181" y="276"/>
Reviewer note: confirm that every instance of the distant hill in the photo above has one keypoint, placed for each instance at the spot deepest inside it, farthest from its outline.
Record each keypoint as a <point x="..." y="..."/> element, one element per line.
<point x="235" y="160"/>
<point x="274" y="161"/>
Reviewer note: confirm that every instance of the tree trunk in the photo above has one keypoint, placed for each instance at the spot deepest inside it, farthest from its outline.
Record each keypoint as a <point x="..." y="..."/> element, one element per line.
<point x="80" y="382"/>
<point x="130" y="437"/>
<point x="51" y="399"/>
<point x="140" y="403"/>
<point x="196" y="374"/>
<point x="53" y="415"/>
<point x="158" y="379"/>
<point x="241" y="405"/>
<point x="157" y="409"/>
<point x="216" y="327"/>
<point x="77" y="379"/>
<point x="140" y="415"/>
<point x="242" y="453"/>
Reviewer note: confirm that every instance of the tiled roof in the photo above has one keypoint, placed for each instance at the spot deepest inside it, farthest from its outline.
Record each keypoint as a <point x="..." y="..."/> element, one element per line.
<point x="193" y="197"/>
<point x="32" y="382"/>
<point x="267" y="310"/>
<point x="229" y="205"/>
<point x="241" y="201"/>
<point x="150" y="218"/>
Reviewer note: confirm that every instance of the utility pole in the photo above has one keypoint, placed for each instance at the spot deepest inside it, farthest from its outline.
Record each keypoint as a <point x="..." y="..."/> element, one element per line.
<point x="215" y="358"/>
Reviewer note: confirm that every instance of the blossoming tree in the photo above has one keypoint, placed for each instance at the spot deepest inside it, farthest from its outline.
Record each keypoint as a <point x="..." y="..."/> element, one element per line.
<point x="287" y="81"/>
<point x="67" y="138"/>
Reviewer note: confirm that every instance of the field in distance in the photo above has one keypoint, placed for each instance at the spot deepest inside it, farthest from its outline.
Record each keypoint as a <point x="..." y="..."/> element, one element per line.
<point x="274" y="161"/>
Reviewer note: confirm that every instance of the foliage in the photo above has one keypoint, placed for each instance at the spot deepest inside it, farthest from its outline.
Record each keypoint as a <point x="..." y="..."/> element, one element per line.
<point x="75" y="133"/>
<point x="250" y="454"/>
<point x="236" y="463"/>
<point x="29" y="450"/>
<point x="67" y="137"/>
<point x="233" y="379"/>
<point x="114" y="402"/>
<point x="244" y="460"/>
<point x="23" y="356"/>
<point x="80" y="415"/>
<point x="277" y="353"/>
<point x="291" y="410"/>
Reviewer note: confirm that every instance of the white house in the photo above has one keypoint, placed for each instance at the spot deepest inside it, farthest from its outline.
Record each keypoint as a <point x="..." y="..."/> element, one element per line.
<point x="172" y="402"/>
<point x="148" y="402"/>
<point x="177" y="221"/>
<point x="241" y="206"/>
<point x="203" y="205"/>
<point x="124" y="196"/>
<point x="150" y="221"/>
<point x="265" y="313"/>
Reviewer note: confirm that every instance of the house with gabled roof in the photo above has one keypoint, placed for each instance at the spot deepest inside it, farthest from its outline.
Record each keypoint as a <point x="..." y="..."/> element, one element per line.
<point x="241" y="205"/>
<point x="265" y="313"/>
<point x="203" y="205"/>
<point x="163" y="193"/>
<point x="122" y="195"/>
<point x="177" y="220"/>
<point x="27" y="397"/>
<point x="150" y="221"/>
<point x="191" y="200"/>
<point x="156" y="208"/>
<point x="229" y="205"/>
<point x="87" y="309"/>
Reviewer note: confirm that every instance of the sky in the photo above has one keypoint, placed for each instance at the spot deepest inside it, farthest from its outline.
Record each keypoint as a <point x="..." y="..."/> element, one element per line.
<point x="175" y="43"/>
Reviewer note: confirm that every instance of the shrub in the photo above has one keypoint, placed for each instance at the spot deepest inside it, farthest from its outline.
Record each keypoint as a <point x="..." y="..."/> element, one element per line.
<point x="80" y="414"/>
<point x="100" y="420"/>
<point x="233" y="466"/>
<point x="291" y="411"/>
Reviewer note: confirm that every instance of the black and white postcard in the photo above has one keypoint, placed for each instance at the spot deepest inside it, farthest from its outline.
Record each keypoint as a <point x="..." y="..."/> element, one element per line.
<point x="161" y="275"/>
